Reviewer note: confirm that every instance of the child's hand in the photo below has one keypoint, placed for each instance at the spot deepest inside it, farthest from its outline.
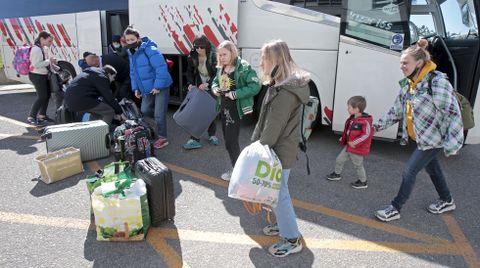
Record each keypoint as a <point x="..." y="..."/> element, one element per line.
<point x="351" y="144"/>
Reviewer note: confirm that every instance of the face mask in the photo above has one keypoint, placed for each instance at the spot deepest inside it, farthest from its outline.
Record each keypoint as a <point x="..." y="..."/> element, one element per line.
<point x="133" y="45"/>
<point x="412" y="75"/>
<point x="116" y="45"/>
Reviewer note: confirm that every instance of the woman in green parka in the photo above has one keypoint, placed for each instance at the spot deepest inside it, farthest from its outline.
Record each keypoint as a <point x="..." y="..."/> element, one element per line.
<point x="235" y="85"/>
<point x="279" y="127"/>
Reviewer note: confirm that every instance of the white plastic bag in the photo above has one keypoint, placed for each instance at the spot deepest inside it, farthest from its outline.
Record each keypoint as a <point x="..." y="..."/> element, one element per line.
<point x="256" y="176"/>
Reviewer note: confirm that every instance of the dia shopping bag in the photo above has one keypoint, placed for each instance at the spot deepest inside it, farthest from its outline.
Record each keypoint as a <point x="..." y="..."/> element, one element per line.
<point x="257" y="175"/>
<point x="121" y="210"/>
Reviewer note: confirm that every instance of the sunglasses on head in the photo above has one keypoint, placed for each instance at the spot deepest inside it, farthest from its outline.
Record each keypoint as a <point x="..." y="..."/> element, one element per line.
<point x="197" y="47"/>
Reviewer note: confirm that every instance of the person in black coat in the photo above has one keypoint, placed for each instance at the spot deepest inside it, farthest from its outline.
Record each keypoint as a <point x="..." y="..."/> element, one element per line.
<point x="201" y="70"/>
<point x="90" y="92"/>
<point x="123" y="86"/>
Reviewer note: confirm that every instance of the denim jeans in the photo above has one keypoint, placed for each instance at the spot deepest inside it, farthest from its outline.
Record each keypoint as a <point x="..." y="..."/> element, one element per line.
<point x="286" y="218"/>
<point x="422" y="159"/>
<point x="156" y="106"/>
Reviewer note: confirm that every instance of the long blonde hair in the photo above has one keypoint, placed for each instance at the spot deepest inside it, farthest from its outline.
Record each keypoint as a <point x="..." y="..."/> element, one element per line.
<point x="278" y="53"/>
<point x="230" y="46"/>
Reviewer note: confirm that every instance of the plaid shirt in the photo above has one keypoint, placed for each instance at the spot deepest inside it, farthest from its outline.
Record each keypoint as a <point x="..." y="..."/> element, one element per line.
<point x="437" y="120"/>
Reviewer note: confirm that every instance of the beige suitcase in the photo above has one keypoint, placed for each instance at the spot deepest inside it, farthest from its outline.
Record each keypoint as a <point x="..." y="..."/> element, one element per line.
<point x="59" y="165"/>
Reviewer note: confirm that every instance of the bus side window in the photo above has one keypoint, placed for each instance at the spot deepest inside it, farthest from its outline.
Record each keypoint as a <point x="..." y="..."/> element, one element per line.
<point x="382" y="23"/>
<point x="460" y="19"/>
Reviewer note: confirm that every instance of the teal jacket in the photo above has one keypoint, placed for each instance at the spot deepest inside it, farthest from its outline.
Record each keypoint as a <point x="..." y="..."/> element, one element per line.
<point x="247" y="86"/>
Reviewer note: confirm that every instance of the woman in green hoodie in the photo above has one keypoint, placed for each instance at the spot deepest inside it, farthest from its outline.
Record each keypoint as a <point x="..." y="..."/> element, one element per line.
<point x="234" y="85"/>
<point x="279" y="127"/>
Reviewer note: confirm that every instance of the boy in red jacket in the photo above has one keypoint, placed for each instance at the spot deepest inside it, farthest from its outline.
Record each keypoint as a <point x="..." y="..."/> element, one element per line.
<point x="357" y="138"/>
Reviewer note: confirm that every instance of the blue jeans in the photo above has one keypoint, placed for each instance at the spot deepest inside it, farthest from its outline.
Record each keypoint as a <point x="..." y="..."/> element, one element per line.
<point x="157" y="106"/>
<point x="422" y="159"/>
<point x="286" y="218"/>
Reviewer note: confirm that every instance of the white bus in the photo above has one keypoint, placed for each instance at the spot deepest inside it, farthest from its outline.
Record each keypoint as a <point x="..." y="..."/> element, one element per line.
<point x="354" y="53"/>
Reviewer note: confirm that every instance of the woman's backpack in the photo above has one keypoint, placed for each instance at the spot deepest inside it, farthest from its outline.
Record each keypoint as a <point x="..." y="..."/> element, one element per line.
<point x="21" y="61"/>
<point x="465" y="106"/>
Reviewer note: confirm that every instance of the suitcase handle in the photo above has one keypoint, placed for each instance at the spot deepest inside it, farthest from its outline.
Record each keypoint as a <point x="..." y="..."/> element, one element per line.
<point x="107" y="141"/>
<point x="184" y="104"/>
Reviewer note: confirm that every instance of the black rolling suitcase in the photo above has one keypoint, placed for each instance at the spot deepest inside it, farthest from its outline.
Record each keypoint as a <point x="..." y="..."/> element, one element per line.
<point x="158" y="179"/>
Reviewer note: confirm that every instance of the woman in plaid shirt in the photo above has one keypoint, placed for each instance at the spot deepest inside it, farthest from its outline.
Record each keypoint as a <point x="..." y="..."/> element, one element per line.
<point x="432" y="119"/>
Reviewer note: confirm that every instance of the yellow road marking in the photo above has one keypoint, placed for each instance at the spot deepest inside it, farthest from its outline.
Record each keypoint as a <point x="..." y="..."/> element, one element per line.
<point x="327" y="211"/>
<point x="460" y="239"/>
<point x="155" y="238"/>
<point x="61" y="222"/>
<point x="311" y="243"/>
<point x="461" y="246"/>
<point x="19" y="136"/>
<point x="374" y="224"/>
<point x="16" y="122"/>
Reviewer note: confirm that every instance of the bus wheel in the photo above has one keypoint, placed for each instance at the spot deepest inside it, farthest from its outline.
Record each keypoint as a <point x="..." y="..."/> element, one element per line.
<point x="67" y="66"/>
<point x="314" y="93"/>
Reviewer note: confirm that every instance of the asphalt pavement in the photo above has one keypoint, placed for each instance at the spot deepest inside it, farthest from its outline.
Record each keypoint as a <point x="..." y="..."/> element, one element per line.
<point x="50" y="225"/>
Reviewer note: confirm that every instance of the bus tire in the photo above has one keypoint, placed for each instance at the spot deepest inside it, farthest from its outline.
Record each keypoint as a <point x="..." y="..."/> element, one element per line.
<point x="314" y="93"/>
<point x="67" y="66"/>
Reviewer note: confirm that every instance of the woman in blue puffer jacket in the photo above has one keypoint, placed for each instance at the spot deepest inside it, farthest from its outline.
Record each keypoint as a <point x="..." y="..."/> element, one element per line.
<point x="150" y="80"/>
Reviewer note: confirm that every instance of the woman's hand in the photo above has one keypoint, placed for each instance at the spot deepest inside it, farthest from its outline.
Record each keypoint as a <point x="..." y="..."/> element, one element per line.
<point x="203" y="86"/>
<point x="155" y="91"/>
<point x="229" y="95"/>
<point x="190" y="87"/>
<point x="351" y="144"/>
<point x="138" y="95"/>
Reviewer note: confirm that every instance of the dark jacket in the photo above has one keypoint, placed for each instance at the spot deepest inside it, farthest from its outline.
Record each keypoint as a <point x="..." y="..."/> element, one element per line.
<point x="148" y="69"/>
<point x="360" y="132"/>
<point x="193" y="75"/>
<point x="279" y="122"/>
<point x="83" y="92"/>
<point x="120" y="64"/>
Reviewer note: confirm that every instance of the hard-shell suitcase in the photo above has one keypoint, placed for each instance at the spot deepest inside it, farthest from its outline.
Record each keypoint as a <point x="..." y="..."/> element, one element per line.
<point x="160" y="195"/>
<point x="196" y="112"/>
<point x="92" y="138"/>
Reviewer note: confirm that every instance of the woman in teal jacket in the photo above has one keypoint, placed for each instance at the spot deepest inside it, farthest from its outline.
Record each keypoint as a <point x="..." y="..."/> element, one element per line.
<point x="150" y="80"/>
<point x="235" y="85"/>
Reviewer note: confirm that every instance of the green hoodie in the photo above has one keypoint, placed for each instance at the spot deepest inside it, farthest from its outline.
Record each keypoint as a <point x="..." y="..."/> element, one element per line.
<point x="248" y="85"/>
<point x="280" y="118"/>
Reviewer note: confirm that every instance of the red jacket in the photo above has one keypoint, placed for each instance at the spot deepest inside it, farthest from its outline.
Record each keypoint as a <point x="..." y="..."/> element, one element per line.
<point x="360" y="132"/>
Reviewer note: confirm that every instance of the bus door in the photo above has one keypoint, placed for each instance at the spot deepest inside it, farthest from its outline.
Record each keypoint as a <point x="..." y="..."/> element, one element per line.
<point x="113" y="23"/>
<point x="372" y="35"/>
<point x="453" y="28"/>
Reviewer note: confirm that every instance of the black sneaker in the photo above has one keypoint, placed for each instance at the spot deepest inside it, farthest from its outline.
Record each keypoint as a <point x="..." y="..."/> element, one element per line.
<point x="441" y="206"/>
<point x="32" y="121"/>
<point x="359" y="184"/>
<point x="334" y="177"/>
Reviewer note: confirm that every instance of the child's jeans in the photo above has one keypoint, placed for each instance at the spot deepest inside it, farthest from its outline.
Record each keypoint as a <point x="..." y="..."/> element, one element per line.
<point x="357" y="161"/>
<point x="286" y="218"/>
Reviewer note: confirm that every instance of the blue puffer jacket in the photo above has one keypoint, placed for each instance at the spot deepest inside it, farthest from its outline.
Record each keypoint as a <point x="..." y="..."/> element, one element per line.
<point x="148" y="69"/>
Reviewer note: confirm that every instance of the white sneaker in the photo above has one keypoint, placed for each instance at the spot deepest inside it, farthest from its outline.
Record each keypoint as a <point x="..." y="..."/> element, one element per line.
<point x="227" y="175"/>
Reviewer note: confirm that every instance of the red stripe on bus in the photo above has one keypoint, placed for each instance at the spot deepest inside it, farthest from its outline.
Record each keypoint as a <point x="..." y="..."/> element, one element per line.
<point x="16" y="29"/>
<point x="64" y="35"/>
